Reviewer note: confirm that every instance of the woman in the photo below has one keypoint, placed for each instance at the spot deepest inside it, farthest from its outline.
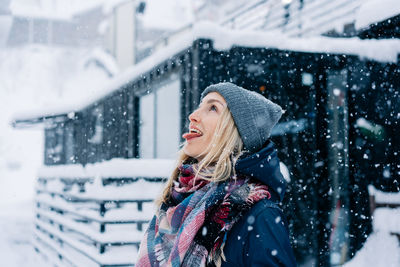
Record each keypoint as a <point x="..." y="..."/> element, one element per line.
<point x="219" y="208"/>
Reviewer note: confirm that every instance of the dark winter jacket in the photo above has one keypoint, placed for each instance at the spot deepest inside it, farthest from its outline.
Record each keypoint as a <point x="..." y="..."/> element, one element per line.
<point x="260" y="237"/>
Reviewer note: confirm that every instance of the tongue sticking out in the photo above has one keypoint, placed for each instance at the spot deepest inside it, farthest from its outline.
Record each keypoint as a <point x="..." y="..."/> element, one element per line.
<point x="188" y="136"/>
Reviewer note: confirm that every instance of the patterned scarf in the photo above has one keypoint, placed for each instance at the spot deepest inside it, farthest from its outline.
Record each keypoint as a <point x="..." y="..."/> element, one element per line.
<point x="191" y="229"/>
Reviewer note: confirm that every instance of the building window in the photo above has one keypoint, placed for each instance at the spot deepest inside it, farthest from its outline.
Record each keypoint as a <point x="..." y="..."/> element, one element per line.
<point x="97" y="129"/>
<point x="146" y="133"/>
<point x="54" y="145"/>
<point x="160" y="121"/>
<point x="69" y="143"/>
<point x="40" y="31"/>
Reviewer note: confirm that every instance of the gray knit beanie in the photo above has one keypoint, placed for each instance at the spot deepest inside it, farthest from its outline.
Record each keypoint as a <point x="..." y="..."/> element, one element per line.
<point x="254" y="115"/>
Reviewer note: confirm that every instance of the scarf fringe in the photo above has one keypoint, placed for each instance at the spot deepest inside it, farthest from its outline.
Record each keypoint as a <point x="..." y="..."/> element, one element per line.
<point x="258" y="192"/>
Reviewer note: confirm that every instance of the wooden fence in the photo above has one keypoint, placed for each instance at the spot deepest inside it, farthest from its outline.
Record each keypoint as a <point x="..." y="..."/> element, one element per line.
<point x="93" y="221"/>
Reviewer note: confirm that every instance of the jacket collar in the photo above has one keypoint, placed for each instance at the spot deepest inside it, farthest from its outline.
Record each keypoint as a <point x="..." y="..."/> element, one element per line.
<point x="264" y="167"/>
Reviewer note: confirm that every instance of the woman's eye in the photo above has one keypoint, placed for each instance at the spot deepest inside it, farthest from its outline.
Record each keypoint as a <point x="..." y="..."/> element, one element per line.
<point x="213" y="108"/>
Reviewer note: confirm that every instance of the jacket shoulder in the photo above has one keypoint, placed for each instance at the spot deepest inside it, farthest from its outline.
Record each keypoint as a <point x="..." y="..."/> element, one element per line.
<point x="260" y="238"/>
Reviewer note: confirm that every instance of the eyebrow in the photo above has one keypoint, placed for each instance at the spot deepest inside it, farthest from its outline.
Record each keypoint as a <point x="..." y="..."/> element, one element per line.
<point x="215" y="100"/>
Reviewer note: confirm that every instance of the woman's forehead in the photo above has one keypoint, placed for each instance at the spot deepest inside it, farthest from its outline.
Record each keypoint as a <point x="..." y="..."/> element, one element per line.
<point x="214" y="97"/>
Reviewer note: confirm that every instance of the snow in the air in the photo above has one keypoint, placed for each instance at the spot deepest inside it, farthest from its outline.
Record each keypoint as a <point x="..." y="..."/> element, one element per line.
<point x="224" y="39"/>
<point x="40" y="79"/>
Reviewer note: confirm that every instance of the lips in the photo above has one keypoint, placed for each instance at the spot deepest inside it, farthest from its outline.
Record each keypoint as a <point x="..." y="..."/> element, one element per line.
<point x="193" y="133"/>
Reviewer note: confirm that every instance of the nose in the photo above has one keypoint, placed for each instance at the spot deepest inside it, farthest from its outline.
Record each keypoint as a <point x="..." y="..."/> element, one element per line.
<point x="194" y="116"/>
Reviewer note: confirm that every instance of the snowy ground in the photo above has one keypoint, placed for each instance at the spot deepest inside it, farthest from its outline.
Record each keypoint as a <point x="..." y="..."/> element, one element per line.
<point x="16" y="234"/>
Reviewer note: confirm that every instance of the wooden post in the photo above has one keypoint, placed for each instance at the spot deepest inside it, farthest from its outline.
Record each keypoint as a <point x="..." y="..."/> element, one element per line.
<point x="102" y="209"/>
<point x="102" y="248"/>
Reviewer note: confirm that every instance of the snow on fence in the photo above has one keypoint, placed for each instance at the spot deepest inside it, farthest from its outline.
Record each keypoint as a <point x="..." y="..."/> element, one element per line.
<point x="95" y="215"/>
<point x="386" y="211"/>
<point x="382" y="248"/>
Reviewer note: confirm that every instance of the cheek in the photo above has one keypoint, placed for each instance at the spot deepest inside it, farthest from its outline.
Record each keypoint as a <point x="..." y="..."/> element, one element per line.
<point x="197" y="147"/>
<point x="207" y="139"/>
<point x="212" y="128"/>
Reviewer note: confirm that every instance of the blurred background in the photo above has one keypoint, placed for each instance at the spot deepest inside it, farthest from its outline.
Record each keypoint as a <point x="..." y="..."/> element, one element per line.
<point x="86" y="89"/>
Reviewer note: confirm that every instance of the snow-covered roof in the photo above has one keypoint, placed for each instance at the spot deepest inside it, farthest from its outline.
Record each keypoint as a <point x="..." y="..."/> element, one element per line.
<point x="374" y="11"/>
<point x="223" y="39"/>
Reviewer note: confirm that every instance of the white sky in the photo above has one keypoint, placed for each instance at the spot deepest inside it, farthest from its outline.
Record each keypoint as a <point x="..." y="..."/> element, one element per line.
<point x="171" y="14"/>
<point x="57" y="9"/>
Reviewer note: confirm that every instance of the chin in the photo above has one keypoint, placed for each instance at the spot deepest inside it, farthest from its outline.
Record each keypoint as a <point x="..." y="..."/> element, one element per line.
<point x="191" y="152"/>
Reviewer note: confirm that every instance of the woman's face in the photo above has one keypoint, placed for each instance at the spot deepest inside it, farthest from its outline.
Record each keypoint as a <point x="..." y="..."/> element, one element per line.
<point x="203" y="122"/>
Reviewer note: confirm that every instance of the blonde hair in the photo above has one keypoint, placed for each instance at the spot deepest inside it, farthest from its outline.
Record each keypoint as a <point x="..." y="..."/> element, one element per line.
<point x="222" y="152"/>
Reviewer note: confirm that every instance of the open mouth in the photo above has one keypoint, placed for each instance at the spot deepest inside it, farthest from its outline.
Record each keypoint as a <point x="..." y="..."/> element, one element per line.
<point x="193" y="133"/>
